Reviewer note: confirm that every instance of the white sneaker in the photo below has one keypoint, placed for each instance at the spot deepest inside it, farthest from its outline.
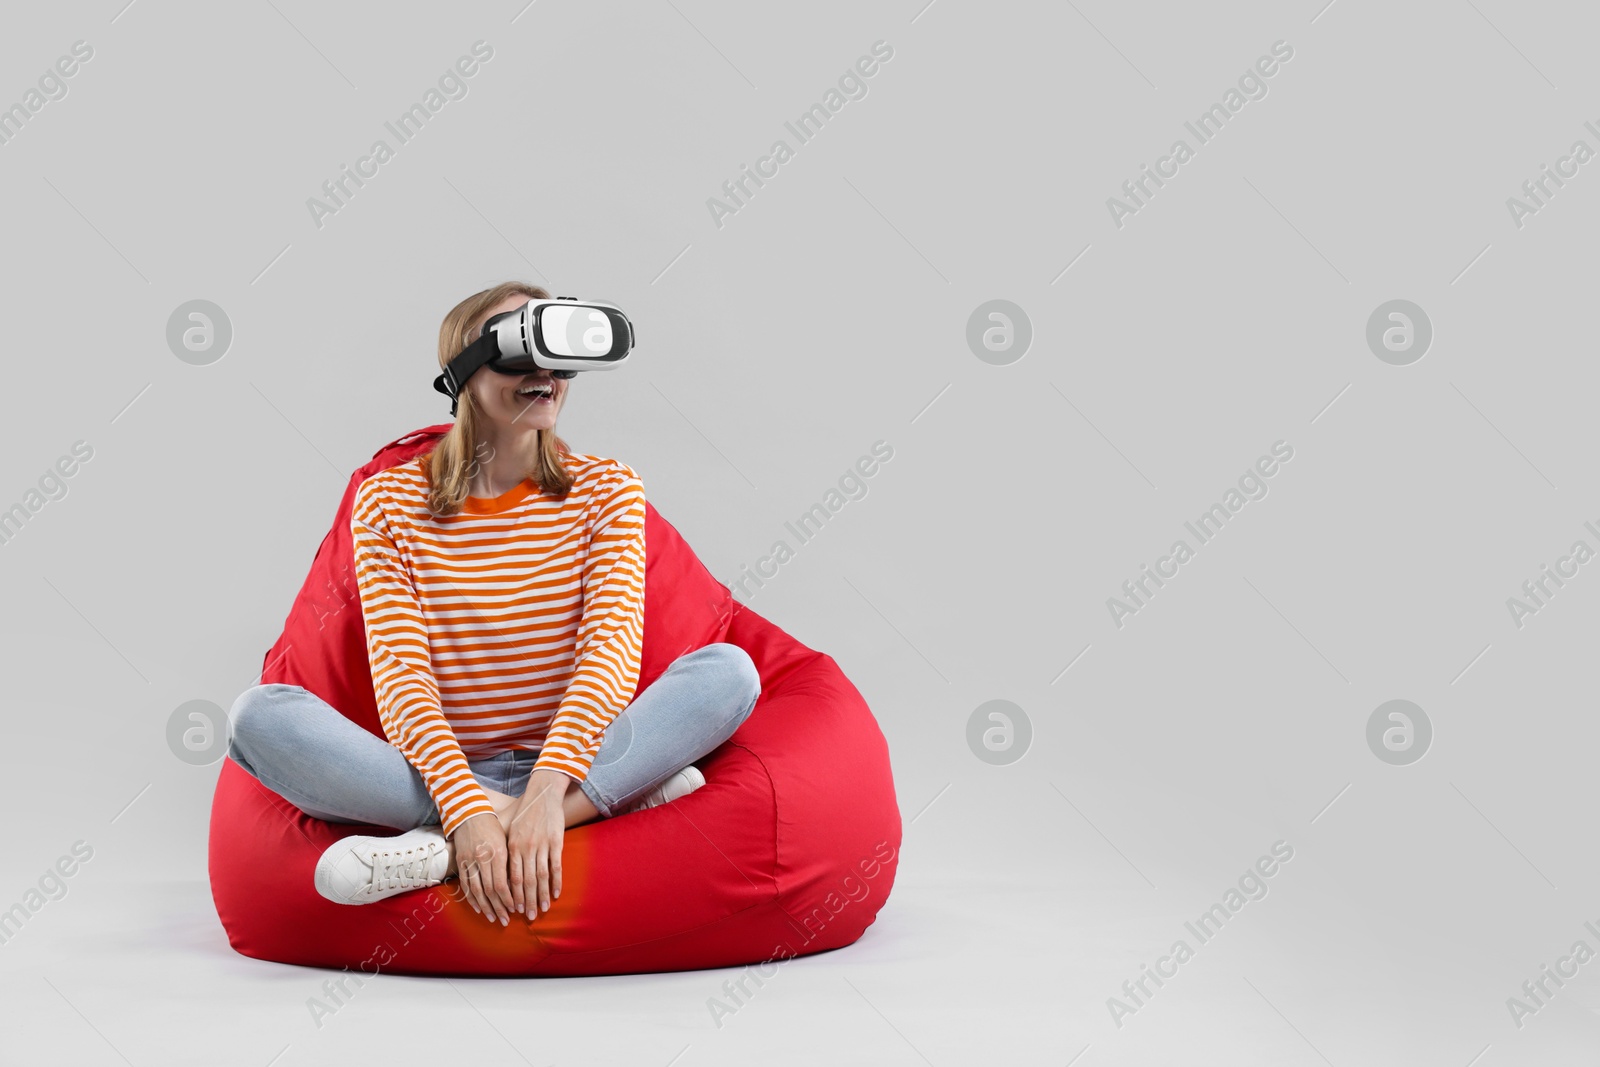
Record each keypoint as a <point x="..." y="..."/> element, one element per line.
<point x="680" y="784"/>
<point x="361" y="870"/>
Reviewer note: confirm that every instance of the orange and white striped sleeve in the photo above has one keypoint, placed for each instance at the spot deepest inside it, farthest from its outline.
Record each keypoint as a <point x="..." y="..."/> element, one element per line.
<point x="402" y="670"/>
<point x="610" y="633"/>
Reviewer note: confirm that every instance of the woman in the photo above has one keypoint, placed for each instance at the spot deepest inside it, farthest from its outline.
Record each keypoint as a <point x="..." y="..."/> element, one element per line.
<point x="501" y="579"/>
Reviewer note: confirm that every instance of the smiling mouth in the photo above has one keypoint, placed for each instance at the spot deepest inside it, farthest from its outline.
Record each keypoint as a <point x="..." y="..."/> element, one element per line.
<point x="538" y="392"/>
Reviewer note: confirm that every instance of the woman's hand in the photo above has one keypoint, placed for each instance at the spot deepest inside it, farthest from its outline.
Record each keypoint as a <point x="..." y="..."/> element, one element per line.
<point x="481" y="854"/>
<point x="534" y="830"/>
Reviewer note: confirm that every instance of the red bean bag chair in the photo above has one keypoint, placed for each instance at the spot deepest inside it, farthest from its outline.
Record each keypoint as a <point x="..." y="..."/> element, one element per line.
<point x="789" y="848"/>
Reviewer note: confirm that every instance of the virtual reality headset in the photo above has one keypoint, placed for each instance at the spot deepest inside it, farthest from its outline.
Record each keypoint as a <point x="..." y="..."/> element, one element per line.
<point x="563" y="336"/>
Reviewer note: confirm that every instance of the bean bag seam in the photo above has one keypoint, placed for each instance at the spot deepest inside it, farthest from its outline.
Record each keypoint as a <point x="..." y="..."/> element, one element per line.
<point x="773" y="786"/>
<point x="777" y="853"/>
<point x="777" y="858"/>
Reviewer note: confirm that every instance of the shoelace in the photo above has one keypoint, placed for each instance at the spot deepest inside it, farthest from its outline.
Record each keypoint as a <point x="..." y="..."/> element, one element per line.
<point x="403" y="868"/>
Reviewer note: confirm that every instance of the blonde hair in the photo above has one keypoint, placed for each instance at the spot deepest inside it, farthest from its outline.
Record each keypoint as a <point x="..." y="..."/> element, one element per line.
<point x="450" y="466"/>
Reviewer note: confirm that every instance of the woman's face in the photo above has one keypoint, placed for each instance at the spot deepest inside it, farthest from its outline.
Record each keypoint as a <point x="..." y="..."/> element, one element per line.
<point x="509" y="400"/>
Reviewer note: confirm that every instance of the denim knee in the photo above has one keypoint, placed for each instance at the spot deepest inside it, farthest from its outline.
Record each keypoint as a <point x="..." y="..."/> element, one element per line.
<point x="740" y="676"/>
<point x="252" y="720"/>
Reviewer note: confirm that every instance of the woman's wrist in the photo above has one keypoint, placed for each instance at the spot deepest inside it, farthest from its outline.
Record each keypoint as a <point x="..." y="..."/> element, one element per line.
<point x="548" y="786"/>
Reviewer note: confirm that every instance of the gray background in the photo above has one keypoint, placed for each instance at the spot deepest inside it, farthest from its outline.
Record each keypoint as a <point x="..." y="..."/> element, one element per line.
<point x="828" y="314"/>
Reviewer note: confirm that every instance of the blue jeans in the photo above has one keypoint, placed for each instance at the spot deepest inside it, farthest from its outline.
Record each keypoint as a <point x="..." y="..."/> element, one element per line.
<point x="297" y="745"/>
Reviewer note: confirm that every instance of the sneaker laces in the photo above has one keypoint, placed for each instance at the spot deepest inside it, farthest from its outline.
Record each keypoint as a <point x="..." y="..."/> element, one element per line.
<point x="404" y="868"/>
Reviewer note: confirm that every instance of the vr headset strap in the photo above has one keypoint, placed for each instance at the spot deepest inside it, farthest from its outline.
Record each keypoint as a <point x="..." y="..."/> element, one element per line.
<point x="470" y="360"/>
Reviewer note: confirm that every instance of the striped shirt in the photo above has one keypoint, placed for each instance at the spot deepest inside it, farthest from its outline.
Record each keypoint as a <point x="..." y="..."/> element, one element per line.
<point x="514" y="624"/>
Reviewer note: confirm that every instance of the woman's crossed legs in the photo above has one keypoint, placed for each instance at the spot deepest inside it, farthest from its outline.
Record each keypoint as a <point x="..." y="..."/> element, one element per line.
<point x="304" y="750"/>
